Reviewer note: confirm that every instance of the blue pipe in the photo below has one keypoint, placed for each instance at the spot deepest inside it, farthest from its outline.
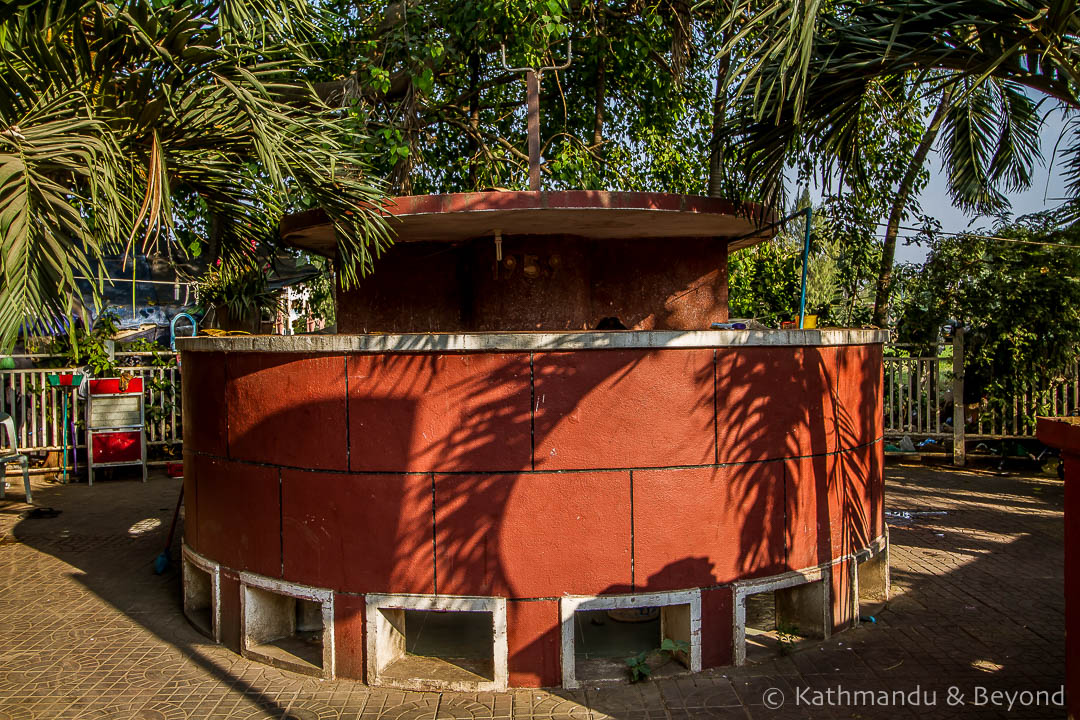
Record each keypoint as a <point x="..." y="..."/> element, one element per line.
<point x="805" y="265"/>
<point x="194" y="328"/>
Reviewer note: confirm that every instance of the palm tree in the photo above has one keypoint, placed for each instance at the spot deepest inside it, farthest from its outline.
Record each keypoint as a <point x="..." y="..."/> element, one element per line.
<point x="806" y="67"/>
<point x="111" y="111"/>
<point x="989" y="133"/>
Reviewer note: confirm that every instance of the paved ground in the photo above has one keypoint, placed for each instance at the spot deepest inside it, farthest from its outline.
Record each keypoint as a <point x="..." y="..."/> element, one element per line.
<point x="88" y="631"/>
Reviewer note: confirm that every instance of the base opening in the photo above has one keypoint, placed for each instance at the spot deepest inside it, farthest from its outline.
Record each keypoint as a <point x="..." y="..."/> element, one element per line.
<point x="872" y="578"/>
<point x="423" y="642"/>
<point x="285" y="631"/>
<point x="442" y="646"/>
<point x="609" y="644"/>
<point x="198" y="597"/>
<point x="776" y="615"/>
<point x="767" y="636"/>
<point x="619" y="638"/>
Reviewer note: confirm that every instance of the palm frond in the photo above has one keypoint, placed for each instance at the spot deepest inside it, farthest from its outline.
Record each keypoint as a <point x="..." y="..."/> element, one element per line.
<point x="53" y="164"/>
<point x="203" y="99"/>
<point x="806" y="69"/>
<point x="967" y="135"/>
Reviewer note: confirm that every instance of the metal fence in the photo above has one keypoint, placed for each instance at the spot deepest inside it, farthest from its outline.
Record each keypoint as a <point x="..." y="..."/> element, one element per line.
<point x="920" y="394"/>
<point x="919" y="401"/>
<point x="37" y="407"/>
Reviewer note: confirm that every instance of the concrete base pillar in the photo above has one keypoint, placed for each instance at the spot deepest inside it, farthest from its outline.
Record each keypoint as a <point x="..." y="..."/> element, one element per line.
<point x="873" y="577"/>
<point x="803" y="607"/>
<point x="202" y="593"/>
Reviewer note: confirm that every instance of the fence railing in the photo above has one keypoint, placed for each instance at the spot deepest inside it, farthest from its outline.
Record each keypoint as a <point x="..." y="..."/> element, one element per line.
<point x="919" y="400"/>
<point x="1017" y="419"/>
<point x="37" y="407"/>
<point x="924" y="398"/>
<point x="918" y="393"/>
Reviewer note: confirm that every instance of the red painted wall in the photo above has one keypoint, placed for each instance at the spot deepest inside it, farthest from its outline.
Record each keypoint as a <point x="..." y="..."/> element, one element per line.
<point x="544" y="282"/>
<point x="533" y="475"/>
<point x="1064" y="433"/>
<point x="1072" y="582"/>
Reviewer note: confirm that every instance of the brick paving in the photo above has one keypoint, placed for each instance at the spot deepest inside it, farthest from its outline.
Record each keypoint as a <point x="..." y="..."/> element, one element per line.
<point x="88" y="631"/>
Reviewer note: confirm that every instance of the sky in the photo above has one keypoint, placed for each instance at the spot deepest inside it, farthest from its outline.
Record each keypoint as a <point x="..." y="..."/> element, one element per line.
<point x="935" y="202"/>
<point x="934" y="199"/>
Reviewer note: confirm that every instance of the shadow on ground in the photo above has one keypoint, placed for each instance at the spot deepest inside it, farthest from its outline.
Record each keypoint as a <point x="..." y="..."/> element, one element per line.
<point x="88" y="630"/>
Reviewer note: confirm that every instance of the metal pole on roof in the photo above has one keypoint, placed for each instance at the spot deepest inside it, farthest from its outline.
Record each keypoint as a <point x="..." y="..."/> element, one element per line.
<point x="532" y="83"/>
<point x="805" y="264"/>
<point x="533" y="76"/>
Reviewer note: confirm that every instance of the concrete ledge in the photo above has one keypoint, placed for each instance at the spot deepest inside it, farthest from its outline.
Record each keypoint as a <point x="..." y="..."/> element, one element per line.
<point x="877" y="551"/>
<point x="785" y="581"/>
<point x="456" y="217"/>
<point x="385" y="642"/>
<point x="690" y="634"/>
<point x="268" y="612"/>
<point x="880" y="544"/>
<point x="201" y="593"/>
<point x="872" y="580"/>
<point x="528" y="342"/>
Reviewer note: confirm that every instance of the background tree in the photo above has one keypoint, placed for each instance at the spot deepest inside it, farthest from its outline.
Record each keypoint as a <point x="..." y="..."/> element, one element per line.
<point x="847" y="220"/>
<point x="1017" y="296"/>
<point x="632" y="112"/>
<point x="808" y="67"/>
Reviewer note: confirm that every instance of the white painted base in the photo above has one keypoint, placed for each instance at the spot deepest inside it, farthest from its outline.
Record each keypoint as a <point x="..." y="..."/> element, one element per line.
<point x="689" y="632"/>
<point x="386" y="638"/>
<point x="197" y="591"/>
<point x="264" y="617"/>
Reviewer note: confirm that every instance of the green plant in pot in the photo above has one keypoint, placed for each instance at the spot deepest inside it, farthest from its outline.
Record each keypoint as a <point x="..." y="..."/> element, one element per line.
<point x="822" y="284"/>
<point x="238" y="297"/>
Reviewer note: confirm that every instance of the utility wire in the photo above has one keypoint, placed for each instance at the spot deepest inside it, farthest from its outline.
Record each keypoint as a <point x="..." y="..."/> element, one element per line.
<point x="137" y="282"/>
<point x="983" y="237"/>
<point x="925" y="231"/>
<point x="980" y="236"/>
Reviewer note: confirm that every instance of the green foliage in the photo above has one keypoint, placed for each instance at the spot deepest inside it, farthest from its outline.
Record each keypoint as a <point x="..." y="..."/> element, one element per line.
<point x="243" y="292"/>
<point x="764" y="282"/>
<point x="320" y="300"/>
<point x="632" y="111"/>
<point x="806" y="69"/>
<point x="822" y="280"/>
<point x="82" y="348"/>
<point x="990" y="142"/>
<point x="639" y="666"/>
<point x="159" y="383"/>
<point x="788" y="637"/>
<point x="113" y="115"/>
<point x="845" y="244"/>
<point x="159" y="358"/>
<point x="1018" y="301"/>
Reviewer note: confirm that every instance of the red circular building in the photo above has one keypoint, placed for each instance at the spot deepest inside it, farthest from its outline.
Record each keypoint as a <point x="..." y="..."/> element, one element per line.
<point x="465" y="487"/>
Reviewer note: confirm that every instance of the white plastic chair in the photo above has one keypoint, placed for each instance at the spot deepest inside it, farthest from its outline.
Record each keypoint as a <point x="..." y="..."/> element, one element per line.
<point x="10" y="455"/>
